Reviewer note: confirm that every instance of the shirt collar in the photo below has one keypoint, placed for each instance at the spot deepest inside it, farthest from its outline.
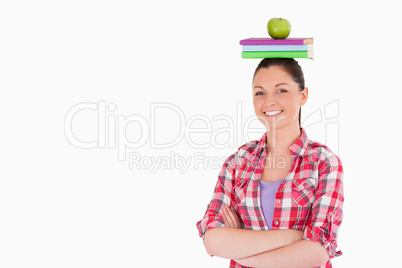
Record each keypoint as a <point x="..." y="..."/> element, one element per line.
<point x="299" y="147"/>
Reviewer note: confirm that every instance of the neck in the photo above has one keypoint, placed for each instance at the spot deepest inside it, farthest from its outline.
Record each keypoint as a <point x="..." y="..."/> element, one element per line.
<point x="280" y="140"/>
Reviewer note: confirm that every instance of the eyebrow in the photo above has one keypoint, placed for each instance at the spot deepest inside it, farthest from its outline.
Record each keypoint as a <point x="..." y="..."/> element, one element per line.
<point x="256" y="87"/>
<point x="280" y="84"/>
<point x="277" y="85"/>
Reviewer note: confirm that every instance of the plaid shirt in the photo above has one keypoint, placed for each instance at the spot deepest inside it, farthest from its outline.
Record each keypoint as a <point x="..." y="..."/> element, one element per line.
<point x="310" y="198"/>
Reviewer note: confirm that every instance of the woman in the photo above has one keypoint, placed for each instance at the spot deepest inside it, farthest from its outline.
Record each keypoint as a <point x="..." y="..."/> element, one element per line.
<point x="278" y="201"/>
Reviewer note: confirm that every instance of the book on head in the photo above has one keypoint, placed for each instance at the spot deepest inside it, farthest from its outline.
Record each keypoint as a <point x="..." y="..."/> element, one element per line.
<point x="277" y="54"/>
<point x="277" y="47"/>
<point x="272" y="41"/>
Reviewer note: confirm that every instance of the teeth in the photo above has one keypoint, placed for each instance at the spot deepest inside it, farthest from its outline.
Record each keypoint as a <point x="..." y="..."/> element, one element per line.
<point x="272" y="112"/>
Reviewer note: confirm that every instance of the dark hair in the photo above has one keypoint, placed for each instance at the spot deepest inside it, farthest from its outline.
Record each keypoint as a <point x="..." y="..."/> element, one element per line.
<point x="291" y="66"/>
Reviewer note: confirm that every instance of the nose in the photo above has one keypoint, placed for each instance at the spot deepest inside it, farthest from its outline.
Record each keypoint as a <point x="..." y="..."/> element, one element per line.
<point x="269" y="100"/>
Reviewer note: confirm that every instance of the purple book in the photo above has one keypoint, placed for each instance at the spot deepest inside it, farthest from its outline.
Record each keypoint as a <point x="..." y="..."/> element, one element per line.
<point x="271" y="41"/>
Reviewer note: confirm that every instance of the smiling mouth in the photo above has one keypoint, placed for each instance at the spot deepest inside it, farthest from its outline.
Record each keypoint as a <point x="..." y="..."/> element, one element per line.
<point x="273" y="113"/>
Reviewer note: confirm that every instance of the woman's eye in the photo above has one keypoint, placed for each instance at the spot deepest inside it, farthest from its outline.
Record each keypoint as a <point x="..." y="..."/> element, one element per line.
<point x="282" y="91"/>
<point x="258" y="93"/>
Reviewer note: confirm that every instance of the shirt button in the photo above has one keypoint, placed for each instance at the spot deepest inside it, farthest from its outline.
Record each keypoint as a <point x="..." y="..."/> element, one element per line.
<point x="278" y="201"/>
<point x="330" y="214"/>
<point x="276" y="222"/>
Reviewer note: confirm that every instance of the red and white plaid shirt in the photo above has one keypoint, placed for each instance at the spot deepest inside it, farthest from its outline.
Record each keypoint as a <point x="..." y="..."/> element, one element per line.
<point x="310" y="198"/>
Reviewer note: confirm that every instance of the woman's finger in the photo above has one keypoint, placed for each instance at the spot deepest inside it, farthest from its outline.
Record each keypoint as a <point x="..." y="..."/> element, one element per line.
<point x="233" y="217"/>
<point x="229" y="219"/>
<point x="238" y="222"/>
<point x="225" y="218"/>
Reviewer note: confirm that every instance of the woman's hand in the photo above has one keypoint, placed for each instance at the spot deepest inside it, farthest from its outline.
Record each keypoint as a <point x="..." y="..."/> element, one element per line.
<point x="230" y="217"/>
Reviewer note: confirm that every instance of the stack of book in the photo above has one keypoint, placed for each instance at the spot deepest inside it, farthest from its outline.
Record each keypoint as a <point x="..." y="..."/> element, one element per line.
<point x="257" y="48"/>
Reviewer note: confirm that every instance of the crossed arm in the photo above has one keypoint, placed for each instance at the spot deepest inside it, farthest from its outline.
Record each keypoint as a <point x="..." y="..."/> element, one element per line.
<point x="274" y="248"/>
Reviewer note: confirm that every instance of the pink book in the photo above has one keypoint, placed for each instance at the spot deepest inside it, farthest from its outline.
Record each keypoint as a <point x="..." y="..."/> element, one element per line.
<point x="271" y="41"/>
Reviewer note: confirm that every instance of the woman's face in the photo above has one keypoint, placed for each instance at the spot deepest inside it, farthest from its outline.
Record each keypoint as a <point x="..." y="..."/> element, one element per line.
<point x="277" y="98"/>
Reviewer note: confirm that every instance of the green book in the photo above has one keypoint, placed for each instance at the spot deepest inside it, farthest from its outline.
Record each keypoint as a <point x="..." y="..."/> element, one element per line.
<point x="277" y="54"/>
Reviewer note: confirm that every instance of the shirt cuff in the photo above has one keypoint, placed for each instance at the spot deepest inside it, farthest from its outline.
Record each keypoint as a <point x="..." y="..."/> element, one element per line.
<point x="209" y="223"/>
<point x="320" y="235"/>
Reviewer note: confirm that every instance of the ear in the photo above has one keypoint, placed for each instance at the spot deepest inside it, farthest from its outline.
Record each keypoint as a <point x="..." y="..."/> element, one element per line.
<point x="303" y="96"/>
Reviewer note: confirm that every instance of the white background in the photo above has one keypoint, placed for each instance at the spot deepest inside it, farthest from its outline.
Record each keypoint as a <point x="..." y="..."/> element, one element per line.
<point x="64" y="206"/>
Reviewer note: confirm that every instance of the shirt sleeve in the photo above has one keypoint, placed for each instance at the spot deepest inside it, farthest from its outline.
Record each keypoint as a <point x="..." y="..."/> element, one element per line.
<point x="326" y="214"/>
<point x="222" y="196"/>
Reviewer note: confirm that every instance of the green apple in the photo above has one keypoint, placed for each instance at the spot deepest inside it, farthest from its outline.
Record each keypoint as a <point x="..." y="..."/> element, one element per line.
<point x="278" y="28"/>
